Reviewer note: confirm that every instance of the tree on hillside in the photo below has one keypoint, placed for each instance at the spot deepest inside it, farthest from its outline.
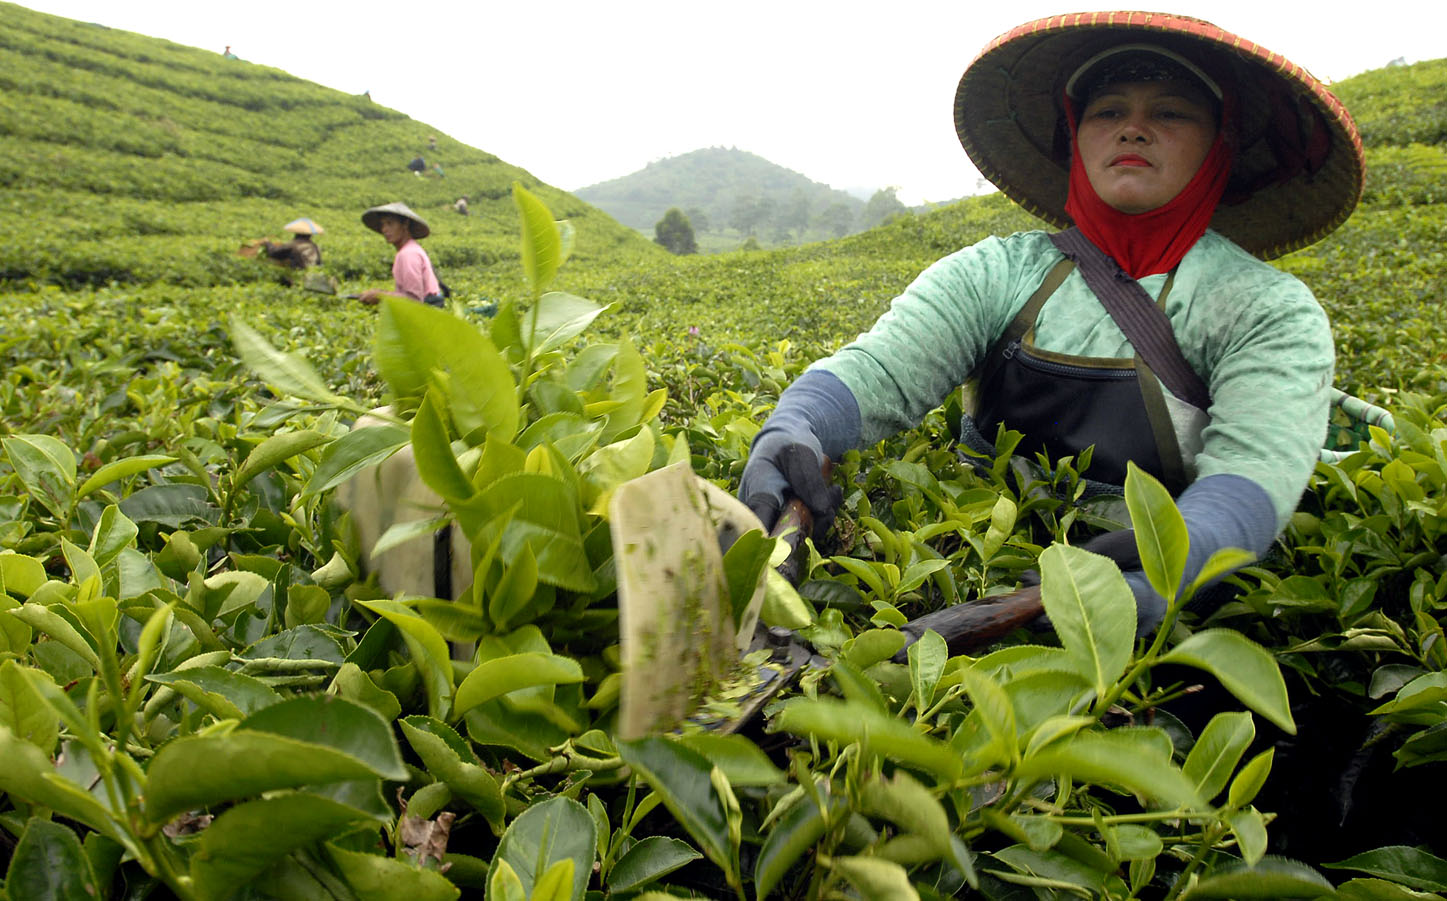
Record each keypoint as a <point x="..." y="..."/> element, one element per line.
<point x="750" y="213"/>
<point x="881" y="207"/>
<point x="836" y="219"/>
<point x="675" y="232"/>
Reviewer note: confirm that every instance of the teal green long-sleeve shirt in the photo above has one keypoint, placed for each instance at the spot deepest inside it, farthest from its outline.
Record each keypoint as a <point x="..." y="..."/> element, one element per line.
<point x="1255" y="334"/>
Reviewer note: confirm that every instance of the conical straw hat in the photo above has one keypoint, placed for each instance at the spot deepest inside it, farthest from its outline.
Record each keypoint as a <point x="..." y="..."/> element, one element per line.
<point x="1298" y="167"/>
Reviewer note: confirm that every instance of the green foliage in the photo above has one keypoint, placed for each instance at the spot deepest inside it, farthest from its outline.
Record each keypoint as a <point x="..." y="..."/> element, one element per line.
<point x="675" y="233"/>
<point x="191" y="651"/>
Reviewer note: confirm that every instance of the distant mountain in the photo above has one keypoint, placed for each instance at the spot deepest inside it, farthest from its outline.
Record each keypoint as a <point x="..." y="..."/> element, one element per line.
<point x="730" y="195"/>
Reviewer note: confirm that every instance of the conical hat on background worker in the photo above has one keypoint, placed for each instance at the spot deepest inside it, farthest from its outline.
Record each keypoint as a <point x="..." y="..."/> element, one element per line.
<point x="303" y="226"/>
<point x="372" y="219"/>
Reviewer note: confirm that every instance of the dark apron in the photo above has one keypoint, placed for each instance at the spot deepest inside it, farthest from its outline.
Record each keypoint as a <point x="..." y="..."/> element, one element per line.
<point x="1064" y="404"/>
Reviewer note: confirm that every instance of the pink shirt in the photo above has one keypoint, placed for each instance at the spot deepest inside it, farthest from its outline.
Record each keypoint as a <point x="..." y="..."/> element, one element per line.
<point x="412" y="271"/>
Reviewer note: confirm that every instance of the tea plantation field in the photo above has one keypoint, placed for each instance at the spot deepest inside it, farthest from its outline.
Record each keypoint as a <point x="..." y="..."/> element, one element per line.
<point x="205" y="693"/>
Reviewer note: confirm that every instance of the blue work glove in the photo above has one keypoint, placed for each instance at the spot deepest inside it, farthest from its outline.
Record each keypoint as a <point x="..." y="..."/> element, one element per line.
<point x="816" y="418"/>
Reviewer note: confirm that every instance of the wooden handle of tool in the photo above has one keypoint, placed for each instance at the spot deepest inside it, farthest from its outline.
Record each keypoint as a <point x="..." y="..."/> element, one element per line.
<point x="965" y="627"/>
<point x="795" y="523"/>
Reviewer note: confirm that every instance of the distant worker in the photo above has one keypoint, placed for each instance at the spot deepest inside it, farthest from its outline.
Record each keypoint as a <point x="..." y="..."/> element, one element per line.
<point x="461" y="205"/>
<point x="227" y="54"/>
<point x="432" y="142"/>
<point x="418" y="165"/>
<point x="411" y="269"/>
<point x="301" y="251"/>
<point x="437" y="167"/>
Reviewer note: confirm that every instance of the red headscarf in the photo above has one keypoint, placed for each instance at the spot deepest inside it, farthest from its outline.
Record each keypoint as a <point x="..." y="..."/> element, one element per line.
<point x="1154" y="241"/>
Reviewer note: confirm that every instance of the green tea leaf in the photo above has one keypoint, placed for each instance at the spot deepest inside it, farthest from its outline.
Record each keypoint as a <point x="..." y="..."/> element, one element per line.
<point x="1160" y="532"/>
<point x="288" y="373"/>
<point x="352" y="683"/>
<point x="436" y="463"/>
<point x="905" y="802"/>
<point x="1215" y="754"/>
<point x="119" y="469"/>
<point x="1378" y="890"/>
<point x="834" y="720"/>
<point x="352" y="453"/>
<point x="515" y="590"/>
<point x="466" y="778"/>
<point x="113" y="534"/>
<point x="1246" y="669"/>
<point x="377" y="878"/>
<point x="46" y="467"/>
<point x="1092" y="610"/>
<point x="740" y="759"/>
<point x="337" y="723"/>
<point x="245" y="840"/>
<point x="20" y="575"/>
<point x="504" y="885"/>
<point x="680" y="775"/>
<point x="23" y="711"/>
<point x="648" y="861"/>
<point x="875" y="879"/>
<point x="49" y="864"/>
<point x="1271" y="877"/>
<point x="556" y="319"/>
<point x="546" y="518"/>
<point x="428" y="649"/>
<point x="1127" y="759"/>
<point x="414" y="342"/>
<point x="927" y="658"/>
<point x="1249" y="828"/>
<point x="1412" y="867"/>
<point x="204" y="770"/>
<point x="556" y="883"/>
<point x="797" y="830"/>
<point x="59" y="628"/>
<point x="223" y="692"/>
<point x="28" y="774"/>
<point x="1250" y="780"/>
<point x="497" y="677"/>
<point x="547" y="832"/>
<point x="542" y="244"/>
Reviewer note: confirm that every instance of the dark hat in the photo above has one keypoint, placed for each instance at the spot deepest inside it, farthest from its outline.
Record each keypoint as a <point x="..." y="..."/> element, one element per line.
<point x="416" y="225"/>
<point x="1298" y="165"/>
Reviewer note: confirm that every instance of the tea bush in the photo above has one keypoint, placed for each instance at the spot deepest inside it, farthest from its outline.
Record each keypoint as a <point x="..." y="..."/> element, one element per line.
<point x="191" y="651"/>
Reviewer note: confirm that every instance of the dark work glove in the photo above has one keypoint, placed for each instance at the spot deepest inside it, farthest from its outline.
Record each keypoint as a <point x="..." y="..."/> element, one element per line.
<point x="783" y="466"/>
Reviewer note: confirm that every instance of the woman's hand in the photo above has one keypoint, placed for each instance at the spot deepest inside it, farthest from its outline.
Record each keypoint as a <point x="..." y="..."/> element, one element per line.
<point x="370" y="297"/>
<point x="782" y="466"/>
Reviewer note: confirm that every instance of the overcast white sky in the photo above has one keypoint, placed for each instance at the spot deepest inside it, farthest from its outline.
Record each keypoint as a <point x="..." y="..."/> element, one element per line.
<point x="852" y="94"/>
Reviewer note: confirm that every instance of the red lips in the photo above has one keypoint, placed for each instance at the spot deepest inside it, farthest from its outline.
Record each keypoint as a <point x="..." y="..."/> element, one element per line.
<point x="1130" y="159"/>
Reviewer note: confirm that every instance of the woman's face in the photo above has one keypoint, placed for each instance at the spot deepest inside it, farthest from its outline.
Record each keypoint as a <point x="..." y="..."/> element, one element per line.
<point x="1142" y="142"/>
<point x="395" y="229"/>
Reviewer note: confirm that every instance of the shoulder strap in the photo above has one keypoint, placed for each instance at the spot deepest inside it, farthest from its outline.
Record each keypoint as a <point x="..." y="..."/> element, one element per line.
<point x="1145" y="325"/>
<point x="1023" y="320"/>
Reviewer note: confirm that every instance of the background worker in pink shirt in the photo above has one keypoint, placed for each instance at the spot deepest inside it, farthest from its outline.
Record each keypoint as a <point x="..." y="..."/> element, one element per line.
<point x="411" y="269"/>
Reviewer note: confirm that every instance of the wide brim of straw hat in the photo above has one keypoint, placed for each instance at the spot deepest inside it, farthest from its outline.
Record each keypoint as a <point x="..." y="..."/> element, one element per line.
<point x="303" y="226"/>
<point x="1298" y="168"/>
<point x="416" y="225"/>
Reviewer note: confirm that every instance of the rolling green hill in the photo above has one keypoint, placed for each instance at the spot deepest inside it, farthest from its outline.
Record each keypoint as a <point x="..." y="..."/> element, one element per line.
<point x="134" y="160"/>
<point x="731" y="195"/>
